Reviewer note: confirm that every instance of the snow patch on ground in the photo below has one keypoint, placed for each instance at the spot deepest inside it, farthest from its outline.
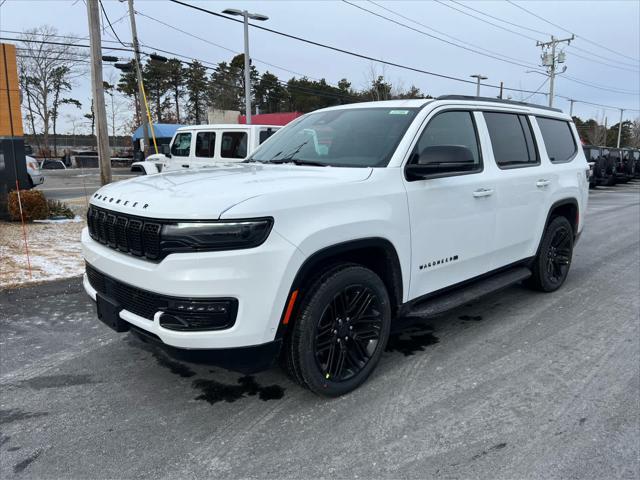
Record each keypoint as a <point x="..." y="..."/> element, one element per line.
<point x="76" y="219"/>
<point x="54" y="250"/>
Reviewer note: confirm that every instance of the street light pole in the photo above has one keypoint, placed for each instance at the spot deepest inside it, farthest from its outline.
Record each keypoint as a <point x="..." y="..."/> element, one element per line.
<point x="247" y="70"/>
<point x="479" y="77"/>
<point x="247" y="60"/>
<point x="620" y="128"/>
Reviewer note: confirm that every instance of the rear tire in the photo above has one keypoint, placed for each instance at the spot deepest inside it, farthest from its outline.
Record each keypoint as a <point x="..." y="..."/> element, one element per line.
<point x="341" y="331"/>
<point x="551" y="265"/>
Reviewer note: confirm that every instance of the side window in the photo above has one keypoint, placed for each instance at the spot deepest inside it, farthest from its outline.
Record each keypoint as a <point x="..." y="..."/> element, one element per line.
<point x="455" y="128"/>
<point x="595" y="154"/>
<point x="511" y="139"/>
<point x="558" y="139"/>
<point x="234" y="145"/>
<point x="205" y="144"/>
<point x="181" y="145"/>
<point x="264" y="134"/>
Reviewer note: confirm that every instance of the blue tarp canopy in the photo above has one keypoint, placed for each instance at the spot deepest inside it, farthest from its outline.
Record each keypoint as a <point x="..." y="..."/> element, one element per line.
<point x="162" y="130"/>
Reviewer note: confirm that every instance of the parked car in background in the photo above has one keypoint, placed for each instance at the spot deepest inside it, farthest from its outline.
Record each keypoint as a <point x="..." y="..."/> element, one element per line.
<point x="205" y="145"/>
<point x="620" y="172"/>
<point x="636" y="162"/>
<point x="610" y="163"/>
<point x="628" y="162"/>
<point x="595" y="158"/>
<point x="51" y="164"/>
<point x="348" y="220"/>
<point x="35" y="177"/>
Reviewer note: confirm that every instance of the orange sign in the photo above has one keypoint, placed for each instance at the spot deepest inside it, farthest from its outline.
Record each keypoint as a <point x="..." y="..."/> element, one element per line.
<point x="10" y="114"/>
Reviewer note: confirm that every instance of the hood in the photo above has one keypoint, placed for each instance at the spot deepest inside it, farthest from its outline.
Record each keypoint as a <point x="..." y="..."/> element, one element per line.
<point x="207" y="192"/>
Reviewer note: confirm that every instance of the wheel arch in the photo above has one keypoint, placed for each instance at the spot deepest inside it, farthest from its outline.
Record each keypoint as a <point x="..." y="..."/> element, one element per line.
<point x="567" y="207"/>
<point x="376" y="253"/>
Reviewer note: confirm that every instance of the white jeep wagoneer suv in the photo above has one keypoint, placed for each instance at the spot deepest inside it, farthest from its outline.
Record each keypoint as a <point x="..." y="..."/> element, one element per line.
<point x="349" y="219"/>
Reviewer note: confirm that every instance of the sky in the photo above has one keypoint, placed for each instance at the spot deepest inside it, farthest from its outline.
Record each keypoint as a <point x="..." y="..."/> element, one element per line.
<point x="602" y="55"/>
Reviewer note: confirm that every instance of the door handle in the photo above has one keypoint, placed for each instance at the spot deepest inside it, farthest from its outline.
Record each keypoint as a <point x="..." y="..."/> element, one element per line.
<point x="543" y="183"/>
<point x="483" y="192"/>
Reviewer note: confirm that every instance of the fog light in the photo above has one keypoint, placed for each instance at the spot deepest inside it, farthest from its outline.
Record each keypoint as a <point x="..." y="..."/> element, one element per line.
<point x="199" y="315"/>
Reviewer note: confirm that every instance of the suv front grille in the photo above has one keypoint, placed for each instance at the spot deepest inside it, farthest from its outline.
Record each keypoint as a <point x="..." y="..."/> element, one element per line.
<point x="184" y="314"/>
<point x="133" y="299"/>
<point x="126" y="233"/>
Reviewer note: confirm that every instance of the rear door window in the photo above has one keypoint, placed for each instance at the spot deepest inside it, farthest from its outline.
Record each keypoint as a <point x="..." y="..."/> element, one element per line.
<point x="558" y="139"/>
<point x="181" y="145"/>
<point x="205" y="144"/>
<point x="234" y="145"/>
<point x="264" y="134"/>
<point x="511" y="139"/>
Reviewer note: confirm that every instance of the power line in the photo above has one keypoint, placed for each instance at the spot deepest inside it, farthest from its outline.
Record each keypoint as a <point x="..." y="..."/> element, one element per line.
<point x="104" y="12"/>
<point x="537" y="90"/>
<point x="347" y="52"/>
<point x="602" y="87"/>
<point x="435" y="37"/>
<point x="569" y="31"/>
<point x="445" y="4"/>
<point x="221" y="46"/>
<point x="500" y="19"/>
<point x="572" y="47"/>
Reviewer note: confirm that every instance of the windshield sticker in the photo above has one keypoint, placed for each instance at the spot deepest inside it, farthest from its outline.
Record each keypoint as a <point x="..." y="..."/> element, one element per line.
<point x="398" y="112"/>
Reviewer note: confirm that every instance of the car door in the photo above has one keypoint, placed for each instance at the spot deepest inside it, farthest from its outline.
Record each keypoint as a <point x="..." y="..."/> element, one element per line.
<point x="452" y="214"/>
<point x="205" y="145"/>
<point x="522" y="185"/>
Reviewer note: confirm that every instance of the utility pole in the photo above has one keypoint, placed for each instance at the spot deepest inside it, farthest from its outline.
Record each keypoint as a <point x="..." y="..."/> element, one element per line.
<point x="100" y="111"/>
<point x="479" y="77"/>
<point x="141" y="96"/>
<point x="606" y="132"/>
<point x="501" y="87"/>
<point x="571" y="107"/>
<point x="620" y="128"/>
<point x="551" y="60"/>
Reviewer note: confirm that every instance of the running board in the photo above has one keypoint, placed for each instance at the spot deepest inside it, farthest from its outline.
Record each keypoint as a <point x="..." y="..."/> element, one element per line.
<point x="447" y="301"/>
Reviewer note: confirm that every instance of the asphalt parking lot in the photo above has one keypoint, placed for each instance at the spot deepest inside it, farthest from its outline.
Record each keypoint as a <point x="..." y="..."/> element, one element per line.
<point x="76" y="182"/>
<point x="519" y="385"/>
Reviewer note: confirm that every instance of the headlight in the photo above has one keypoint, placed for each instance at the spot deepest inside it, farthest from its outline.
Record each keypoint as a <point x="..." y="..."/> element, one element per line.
<point x="32" y="165"/>
<point x="223" y="235"/>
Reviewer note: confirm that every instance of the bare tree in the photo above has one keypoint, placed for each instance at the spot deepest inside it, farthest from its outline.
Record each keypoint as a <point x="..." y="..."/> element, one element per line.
<point x="635" y="133"/>
<point x="47" y="70"/>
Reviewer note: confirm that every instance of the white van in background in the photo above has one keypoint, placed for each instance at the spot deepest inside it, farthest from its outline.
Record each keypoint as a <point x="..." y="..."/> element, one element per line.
<point x="204" y="145"/>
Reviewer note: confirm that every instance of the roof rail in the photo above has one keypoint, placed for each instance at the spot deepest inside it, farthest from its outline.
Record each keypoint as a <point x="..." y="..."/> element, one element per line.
<point x="496" y="100"/>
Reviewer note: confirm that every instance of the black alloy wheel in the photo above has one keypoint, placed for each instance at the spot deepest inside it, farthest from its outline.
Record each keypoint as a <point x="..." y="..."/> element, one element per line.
<point x="551" y="265"/>
<point x="340" y="330"/>
<point x="348" y="333"/>
<point x="559" y="254"/>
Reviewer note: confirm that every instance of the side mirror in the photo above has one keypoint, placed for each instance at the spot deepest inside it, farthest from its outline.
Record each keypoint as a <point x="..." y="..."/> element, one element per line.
<point x="441" y="159"/>
<point x="166" y="150"/>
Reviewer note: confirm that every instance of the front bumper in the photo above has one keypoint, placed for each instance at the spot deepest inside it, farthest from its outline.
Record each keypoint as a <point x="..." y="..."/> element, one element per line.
<point x="259" y="278"/>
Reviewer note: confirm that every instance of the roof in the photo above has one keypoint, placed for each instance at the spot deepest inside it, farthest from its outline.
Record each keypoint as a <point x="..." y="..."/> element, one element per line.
<point x="458" y="100"/>
<point x="161" y="130"/>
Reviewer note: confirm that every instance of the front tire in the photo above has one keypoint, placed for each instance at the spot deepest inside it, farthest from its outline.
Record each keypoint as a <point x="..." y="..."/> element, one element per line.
<point x="341" y="331"/>
<point x="551" y="265"/>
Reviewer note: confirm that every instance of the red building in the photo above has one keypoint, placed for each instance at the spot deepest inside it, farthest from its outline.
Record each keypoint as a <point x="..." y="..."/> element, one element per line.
<point x="281" y="118"/>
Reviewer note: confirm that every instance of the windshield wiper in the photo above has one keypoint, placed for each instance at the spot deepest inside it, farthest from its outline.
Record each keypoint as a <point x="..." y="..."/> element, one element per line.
<point x="296" y="161"/>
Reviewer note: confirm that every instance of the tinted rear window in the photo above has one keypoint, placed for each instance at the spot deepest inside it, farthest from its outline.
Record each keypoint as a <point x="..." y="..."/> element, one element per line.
<point x="558" y="139"/>
<point x="511" y="139"/>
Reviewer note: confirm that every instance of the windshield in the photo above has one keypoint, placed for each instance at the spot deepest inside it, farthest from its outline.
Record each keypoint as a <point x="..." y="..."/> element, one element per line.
<point x="362" y="137"/>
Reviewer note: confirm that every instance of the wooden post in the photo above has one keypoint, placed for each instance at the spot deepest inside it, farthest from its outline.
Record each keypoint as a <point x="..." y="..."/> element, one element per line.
<point x="100" y="111"/>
